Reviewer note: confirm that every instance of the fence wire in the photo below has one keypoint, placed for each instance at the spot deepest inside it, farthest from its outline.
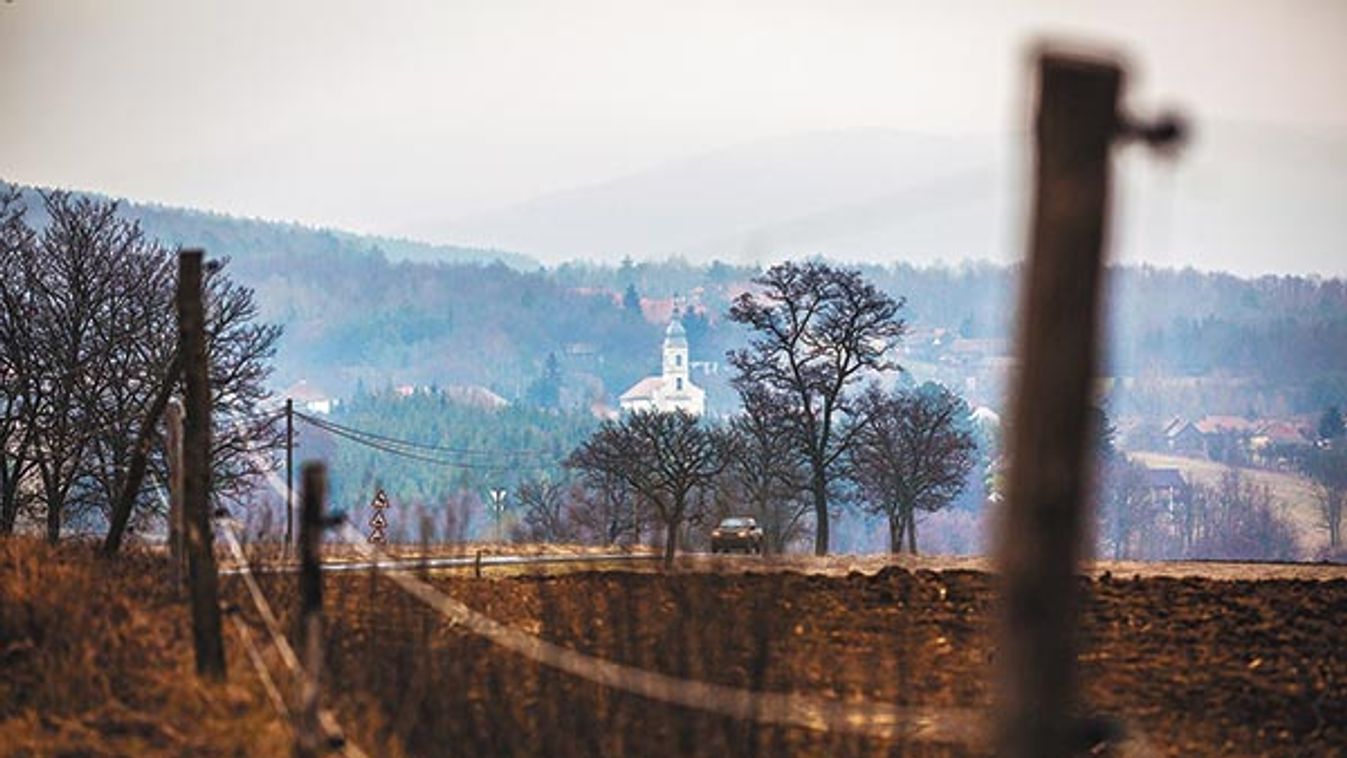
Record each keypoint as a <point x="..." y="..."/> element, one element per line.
<point x="326" y="719"/>
<point x="954" y="726"/>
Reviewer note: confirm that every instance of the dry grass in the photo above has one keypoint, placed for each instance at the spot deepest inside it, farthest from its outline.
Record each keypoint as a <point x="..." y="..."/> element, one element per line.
<point x="95" y="659"/>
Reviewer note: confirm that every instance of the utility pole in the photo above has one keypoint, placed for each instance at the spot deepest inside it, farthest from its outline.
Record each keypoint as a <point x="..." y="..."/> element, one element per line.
<point x="1078" y="122"/>
<point x="289" y="472"/>
<point x="202" y="578"/>
<point x="498" y="500"/>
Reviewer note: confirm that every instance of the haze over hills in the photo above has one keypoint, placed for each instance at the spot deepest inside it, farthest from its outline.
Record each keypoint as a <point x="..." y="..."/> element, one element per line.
<point x="1238" y="198"/>
<point x="250" y="239"/>
<point x="357" y="312"/>
<point x="862" y="194"/>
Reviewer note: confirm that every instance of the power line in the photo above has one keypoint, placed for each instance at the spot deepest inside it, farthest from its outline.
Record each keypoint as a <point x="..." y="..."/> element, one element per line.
<point x="378" y="443"/>
<point x="374" y="436"/>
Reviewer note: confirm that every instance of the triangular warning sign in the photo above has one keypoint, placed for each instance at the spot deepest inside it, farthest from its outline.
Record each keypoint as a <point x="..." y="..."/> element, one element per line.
<point x="378" y="521"/>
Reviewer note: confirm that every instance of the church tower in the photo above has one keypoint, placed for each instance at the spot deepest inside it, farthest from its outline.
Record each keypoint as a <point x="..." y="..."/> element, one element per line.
<point x="676" y="357"/>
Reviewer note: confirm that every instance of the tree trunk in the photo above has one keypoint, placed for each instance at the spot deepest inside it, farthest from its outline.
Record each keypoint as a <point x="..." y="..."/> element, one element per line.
<point x="911" y="531"/>
<point x="54" y="519"/>
<point x="670" y="543"/>
<point x="895" y="532"/>
<point x="1334" y="519"/>
<point x="9" y="506"/>
<point x="140" y="454"/>
<point x="820" y="488"/>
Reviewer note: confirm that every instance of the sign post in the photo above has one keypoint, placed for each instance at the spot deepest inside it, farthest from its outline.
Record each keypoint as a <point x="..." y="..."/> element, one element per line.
<point x="378" y="523"/>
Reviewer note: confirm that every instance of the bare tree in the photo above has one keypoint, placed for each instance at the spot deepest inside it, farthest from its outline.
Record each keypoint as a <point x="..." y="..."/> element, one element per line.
<point x="17" y="388"/>
<point x="766" y="473"/>
<point x="664" y="457"/>
<point x="88" y="357"/>
<point x="1327" y="467"/>
<point x="546" y="505"/>
<point x="1243" y="523"/>
<point x="606" y="510"/>
<point x="1125" y="506"/>
<point x="913" y="454"/>
<point x="77" y="299"/>
<point x="816" y="330"/>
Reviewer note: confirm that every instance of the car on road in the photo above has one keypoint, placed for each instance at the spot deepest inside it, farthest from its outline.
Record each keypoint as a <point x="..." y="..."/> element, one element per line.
<point x="737" y="533"/>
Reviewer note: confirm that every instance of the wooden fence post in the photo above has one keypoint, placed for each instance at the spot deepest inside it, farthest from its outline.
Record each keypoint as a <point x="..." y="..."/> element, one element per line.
<point x="309" y="740"/>
<point x="1040" y="540"/>
<point x="177" y="556"/>
<point x="210" y="659"/>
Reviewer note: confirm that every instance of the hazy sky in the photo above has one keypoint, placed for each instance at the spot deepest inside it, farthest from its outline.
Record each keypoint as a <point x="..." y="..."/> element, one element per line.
<point x="399" y="117"/>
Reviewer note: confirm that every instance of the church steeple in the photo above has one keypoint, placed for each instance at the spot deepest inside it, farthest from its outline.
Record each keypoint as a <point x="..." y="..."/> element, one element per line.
<point x="676" y="355"/>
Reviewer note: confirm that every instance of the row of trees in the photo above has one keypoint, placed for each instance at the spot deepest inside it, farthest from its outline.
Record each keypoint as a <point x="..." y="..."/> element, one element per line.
<point x="88" y="338"/>
<point x="1236" y="519"/>
<point x="814" y="422"/>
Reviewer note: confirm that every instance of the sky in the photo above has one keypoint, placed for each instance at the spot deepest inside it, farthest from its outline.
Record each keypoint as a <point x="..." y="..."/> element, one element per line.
<point x="406" y="117"/>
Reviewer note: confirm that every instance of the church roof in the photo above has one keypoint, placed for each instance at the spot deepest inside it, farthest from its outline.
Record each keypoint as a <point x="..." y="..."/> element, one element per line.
<point x="644" y="389"/>
<point x="675" y="334"/>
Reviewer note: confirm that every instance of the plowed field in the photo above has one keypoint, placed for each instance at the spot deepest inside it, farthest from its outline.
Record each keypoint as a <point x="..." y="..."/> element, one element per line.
<point x="1182" y="665"/>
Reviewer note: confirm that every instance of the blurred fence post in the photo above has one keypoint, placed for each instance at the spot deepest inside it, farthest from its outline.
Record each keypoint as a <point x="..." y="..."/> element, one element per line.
<point x="309" y="739"/>
<point x="173" y="442"/>
<point x="210" y="660"/>
<point x="1077" y="120"/>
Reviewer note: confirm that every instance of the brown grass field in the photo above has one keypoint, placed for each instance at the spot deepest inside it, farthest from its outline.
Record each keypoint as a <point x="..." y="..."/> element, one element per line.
<point x="1188" y="659"/>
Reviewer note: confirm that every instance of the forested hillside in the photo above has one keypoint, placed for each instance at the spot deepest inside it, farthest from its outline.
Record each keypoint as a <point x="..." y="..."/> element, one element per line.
<point x="381" y="312"/>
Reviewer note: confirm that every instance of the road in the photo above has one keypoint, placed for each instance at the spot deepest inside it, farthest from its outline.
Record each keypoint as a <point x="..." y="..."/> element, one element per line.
<point x="393" y="564"/>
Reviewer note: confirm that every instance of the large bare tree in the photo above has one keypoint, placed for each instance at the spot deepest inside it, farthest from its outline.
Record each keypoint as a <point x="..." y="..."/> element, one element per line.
<point x="664" y="457"/>
<point x="913" y="454"/>
<point x="88" y="359"/>
<point x="17" y="387"/>
<point x="817" y="330"/>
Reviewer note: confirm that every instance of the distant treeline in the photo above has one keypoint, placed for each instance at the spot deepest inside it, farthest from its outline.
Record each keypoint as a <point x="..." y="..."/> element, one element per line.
<point x="365" y="309"/>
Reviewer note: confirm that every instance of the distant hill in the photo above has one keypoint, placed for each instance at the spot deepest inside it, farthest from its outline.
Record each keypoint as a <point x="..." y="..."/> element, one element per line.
<point x="247" y="240"/>
<point x="860" y="194"/>
<point x="1246" y="198"/>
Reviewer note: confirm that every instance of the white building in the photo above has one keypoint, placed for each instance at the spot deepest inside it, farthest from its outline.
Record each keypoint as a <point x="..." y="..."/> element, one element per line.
<point x="672" y="390"/>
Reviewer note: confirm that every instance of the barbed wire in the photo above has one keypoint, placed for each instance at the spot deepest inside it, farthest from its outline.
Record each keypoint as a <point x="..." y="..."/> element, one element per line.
<point x="278" y="640"/>
<point x="955" y="726"/>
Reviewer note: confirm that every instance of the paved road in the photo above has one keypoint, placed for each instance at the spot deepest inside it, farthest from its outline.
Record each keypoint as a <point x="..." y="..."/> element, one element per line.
<point x="450" y="562"/>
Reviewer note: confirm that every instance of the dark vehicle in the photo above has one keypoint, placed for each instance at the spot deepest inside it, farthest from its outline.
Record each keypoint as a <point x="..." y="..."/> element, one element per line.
<point x="737" y="533"/>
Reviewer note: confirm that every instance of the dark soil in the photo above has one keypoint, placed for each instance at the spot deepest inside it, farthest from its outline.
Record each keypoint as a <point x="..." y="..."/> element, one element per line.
<point x="1186" y="666"/>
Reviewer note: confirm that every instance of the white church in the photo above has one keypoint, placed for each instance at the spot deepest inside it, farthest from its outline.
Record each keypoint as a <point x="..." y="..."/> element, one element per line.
<point x="672" y="390"/>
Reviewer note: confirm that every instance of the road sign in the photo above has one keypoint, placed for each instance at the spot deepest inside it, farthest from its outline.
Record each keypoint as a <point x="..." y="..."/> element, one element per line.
<point x="378" y="522"/>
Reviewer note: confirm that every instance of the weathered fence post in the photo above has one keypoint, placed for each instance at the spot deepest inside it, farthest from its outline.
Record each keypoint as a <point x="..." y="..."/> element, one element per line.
<point x="210" y="660"/>
<point x="177" y="556"/>
<point x="309" y="739"/>
<point x="1077" y="120"/>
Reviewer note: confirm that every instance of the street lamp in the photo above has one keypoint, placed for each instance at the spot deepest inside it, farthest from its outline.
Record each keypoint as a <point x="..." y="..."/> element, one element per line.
<point x="498" y="501"/>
